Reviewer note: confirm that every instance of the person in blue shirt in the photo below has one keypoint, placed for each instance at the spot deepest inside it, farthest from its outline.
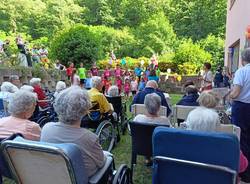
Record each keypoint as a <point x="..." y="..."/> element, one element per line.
<point x="151" y="87"/>
<point x="153" y="76"/>
<point x="191" y="96"/>
<point x="138" y="72"/>
<point x="88" y="82"/>
<point x="142" y="84"/>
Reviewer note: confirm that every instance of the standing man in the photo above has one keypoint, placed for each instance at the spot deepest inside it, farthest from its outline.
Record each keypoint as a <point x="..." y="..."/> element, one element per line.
<point x="82" y="74"/>
<point x="241" y="107"/>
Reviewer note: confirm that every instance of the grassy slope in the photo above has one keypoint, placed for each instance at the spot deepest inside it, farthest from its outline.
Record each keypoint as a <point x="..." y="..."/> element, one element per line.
<point x="122" y="154"/>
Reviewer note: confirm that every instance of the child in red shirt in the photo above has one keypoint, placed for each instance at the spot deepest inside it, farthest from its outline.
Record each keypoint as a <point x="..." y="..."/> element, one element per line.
<point x="107" y="72"/>
<point x="69" y="70"/>
<point x="119" y="84"/>
<point x="118" y="71"/>
<point x="127" y="87"/>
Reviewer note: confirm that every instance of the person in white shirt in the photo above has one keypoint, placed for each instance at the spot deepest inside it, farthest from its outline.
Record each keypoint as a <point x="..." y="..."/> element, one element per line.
<point x="207" y="78"/>
<point x="241" y="107"/>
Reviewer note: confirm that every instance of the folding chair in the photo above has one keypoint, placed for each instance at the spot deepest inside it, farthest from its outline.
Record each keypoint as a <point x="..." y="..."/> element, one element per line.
<point x="37" y="162"/>
<point x="141" y="135"/>
<point x="180" y="113"/>
<point x="182" y="156"/>
<point x="141" y="109"/>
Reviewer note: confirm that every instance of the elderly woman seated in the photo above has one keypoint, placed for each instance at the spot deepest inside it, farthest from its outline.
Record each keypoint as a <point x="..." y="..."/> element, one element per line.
<point x="191" y="95"/>
<point x="152" y="103"/>
<point x="60" y="85"/>
<point x="6" y="93"/>
<point x="21" y="107"/>
<point x="210" y="99"/>
<point x="70" y="105"/>
<point x="36" y="84"/>
<point x="206" y="119"/>
<point x="113" y="91"/>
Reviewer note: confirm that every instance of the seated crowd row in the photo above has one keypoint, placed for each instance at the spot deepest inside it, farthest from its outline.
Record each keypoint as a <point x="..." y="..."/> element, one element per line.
<point x="73" y="103"/>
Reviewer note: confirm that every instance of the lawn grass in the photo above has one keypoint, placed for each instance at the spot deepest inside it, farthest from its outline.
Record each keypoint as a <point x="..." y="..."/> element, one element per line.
<point x="122" y="154"/>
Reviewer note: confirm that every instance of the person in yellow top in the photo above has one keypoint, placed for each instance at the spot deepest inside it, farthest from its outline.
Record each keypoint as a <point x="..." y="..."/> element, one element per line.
<point x="97" y="98"/>
<point x="99" y="103"/>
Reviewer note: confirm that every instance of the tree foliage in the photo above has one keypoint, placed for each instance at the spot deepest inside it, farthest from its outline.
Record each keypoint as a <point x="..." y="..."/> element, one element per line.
<point x="197" y="19"/>
<point x="77" y="44"/>
<point x="133" y="28"/>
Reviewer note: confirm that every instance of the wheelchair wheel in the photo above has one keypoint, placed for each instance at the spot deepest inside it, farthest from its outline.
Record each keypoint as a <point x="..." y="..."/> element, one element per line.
<point x="106" y="133"/>
<point x="43" y="120"/>
<point x="122" y="176"/>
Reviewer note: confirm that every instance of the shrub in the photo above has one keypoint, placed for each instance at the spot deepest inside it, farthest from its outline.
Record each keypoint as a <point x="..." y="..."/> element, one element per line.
<point x="190" y="55"/>
<point x="77" y="44"/>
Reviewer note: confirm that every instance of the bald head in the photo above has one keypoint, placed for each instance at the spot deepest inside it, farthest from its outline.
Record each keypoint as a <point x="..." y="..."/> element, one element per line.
<point x="152" y="84"/>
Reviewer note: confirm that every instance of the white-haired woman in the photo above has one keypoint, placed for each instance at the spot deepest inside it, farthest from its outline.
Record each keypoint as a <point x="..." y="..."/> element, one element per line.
<point x="207" y="120"/>
<point x="152" y="103"/>
<point x="70" y="105"/>
<point x="21" y="107"/>
<point x="6" y="93"/>
<point x="36" y="84"/>
<point x="60" y="85"/>
<point x="113" y="91"/>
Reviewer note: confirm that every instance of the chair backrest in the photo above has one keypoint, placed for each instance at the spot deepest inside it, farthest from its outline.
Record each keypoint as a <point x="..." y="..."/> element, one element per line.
<point x="1" y="104"/>
<point x="181" y="112"/>
<point x="116" y="102"/>
<point x="184" y="156"/>
<point x="141" y="134"/>
<point x="229" y="128"/>
<point x="141" y="109"/>
<point x="37" y="162"/>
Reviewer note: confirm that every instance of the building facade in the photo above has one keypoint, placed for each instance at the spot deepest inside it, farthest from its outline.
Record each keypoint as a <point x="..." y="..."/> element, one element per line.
<point x="237" y="38"/>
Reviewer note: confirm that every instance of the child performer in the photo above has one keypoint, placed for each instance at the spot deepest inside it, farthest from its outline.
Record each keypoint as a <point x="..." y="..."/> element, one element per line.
<point x="119" y="84"/>
<point x="127" y="87"/>
<point x="134" y="86"/>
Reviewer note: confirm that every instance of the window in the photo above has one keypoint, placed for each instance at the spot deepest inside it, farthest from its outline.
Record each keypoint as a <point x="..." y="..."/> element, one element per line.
<point x="233" y="56"/>
<point x="232" y="3"/>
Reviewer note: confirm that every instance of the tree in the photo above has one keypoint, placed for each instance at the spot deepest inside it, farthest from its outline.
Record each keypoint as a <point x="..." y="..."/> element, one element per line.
<point x="215" y="46"/>
<point x="156" y="35"/>
<point x="197" y="19"/>
<point x="190" y="57"/>
<point x="77" y="44"/>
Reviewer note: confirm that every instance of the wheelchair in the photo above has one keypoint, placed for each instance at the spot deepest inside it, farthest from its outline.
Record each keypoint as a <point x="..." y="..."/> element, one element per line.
<point x="45" y="115"/>
<point x="120" y="108"/>
<point x="104" y="127"/>
<point x="38" y="162"/>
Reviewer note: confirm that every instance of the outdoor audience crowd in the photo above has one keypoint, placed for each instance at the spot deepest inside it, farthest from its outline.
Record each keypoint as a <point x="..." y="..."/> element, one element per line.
<point x="27" y="56"/>
<point x="73" y="103"/>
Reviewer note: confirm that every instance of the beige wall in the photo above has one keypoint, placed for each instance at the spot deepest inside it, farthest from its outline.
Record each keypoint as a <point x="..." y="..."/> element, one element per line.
<point x="238" y="18"/>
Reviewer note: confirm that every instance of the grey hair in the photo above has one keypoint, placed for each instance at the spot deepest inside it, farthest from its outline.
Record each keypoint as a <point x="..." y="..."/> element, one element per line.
<point x="152" y="84"/>
<point x="245" y="55"/>
<point x="202" y="119"/>
<point x="14" y="77"/>
<point x="153" y="103"/>
<point x="71" y="104"/>
<point x="21" y="101"/>
<point x="113" y="91"/>
<point x="208" y="99"/>
<point x="35" y="81"/>
<point x="8" y="87"/>
<point x="60" y="85"/>
<point x="96" y="81"/>
<point x="27" y="88"/>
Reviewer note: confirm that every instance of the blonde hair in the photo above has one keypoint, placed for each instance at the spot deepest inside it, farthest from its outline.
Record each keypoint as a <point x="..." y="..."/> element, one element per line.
<point x="208" y="99"/>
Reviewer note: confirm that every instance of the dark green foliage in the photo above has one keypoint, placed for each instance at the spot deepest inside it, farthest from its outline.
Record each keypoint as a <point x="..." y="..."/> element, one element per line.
<point x="77" y="44"/>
